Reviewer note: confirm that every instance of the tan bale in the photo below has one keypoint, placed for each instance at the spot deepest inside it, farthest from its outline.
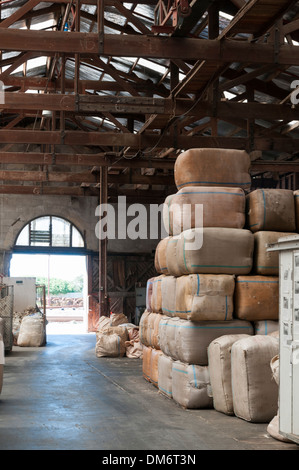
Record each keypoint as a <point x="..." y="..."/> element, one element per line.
<point x="156" y="263"/>
<point x="223" y="251"/>
<point x="167" y="336"/>
<point x="104" y="323"/>
<point x="154" y="320"/>
<point x="149" y="293"/>
<point x="191" y="386"/>
<point x="219" y="356"/>
<point x="166" y="214"/>
<point x="146" y="362"/>
<point x="161" y="255"/>
<point x="154" y="375"/>
<point x="255" y="393"/>
<point x="213" y="167"/>
<point x="171" y="257"/>
<point x="156" y="300"/>
<point x="188" y="341"/>
<point x="133" y="345"/>
<point x="168" y="290"/>
<point x="143" y="328"/>
<point x="165" y="375"/>
<point x="274" y="334"/>
<point x="196" y="207"/>
<point x="111" y="342"/>
<point x="266" y="327"/>
<point x="257" y="298"/>
<point x="117" y="319"/>
<point x="201" y="297"/>
<point x="273" y="426"/>
<point x="32" y="331"/>
<point x="271" y="209"/>
<point x="267" y="262"/>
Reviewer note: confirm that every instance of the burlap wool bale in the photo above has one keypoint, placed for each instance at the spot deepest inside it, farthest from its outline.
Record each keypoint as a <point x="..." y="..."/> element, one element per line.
<point x="156" y="263"/>
<point x="154" y="374"/>
<point x="161" y="255"/>
<point x="266" y="262"/>
<point x="223" y="251"/>
<point x="196" y="207"/>
<point x="201" y="297"/>
<point x="32" y="331"/>
<point x="111" y="342"/>
<point x="117" y="319"/>
<point x="274" y="334"/>
<point x="257" y="298"/>
<point x="188" y="341"/>
<point x="143" y="328"/>
<point x="219" y="356"/>
<point x="213" y="167"/>
<point x="167" y="336"/>
<point x="156" y="299"/>
<point x="273" y="426"/>
<point x="271" y="209"/>
<point x="168" y="290"/>
<point x="255" y="393"/>
<point x="146" y="362"/>
<point x="104" y="323"/>
<point x="154" y="320"/>
<point x="171" y="257"/>
<point x="166" y="215"/>
<point x="274" y="364"/>
<point x="266" y="327"/>
<point x="191" y="386"/>
<point x="165" y="375"/>
<point x="149" y="293"/>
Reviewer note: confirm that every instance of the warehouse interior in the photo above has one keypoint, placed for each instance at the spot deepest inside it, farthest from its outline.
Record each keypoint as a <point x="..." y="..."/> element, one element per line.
<point x="109" y="109"/>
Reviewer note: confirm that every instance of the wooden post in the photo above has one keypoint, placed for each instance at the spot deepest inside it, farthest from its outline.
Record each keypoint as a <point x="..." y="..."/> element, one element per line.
<point x="103" y="294"/>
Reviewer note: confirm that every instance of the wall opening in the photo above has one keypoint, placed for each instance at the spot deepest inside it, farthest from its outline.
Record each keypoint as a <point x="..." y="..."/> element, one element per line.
<point x="65" y="281"/>
<point x="52" y="250"/>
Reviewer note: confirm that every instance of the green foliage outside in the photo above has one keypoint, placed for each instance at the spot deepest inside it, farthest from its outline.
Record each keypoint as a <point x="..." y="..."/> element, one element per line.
<point x="62" y="286"/>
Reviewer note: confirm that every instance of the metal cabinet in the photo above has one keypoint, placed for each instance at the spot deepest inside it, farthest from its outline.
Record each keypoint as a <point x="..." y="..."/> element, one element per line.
<point x="288" y="254"/>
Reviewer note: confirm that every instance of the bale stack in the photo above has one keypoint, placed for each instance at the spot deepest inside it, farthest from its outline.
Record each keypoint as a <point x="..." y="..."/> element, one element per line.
<point x="270" y="214"/>
<point x="194" y="291"/>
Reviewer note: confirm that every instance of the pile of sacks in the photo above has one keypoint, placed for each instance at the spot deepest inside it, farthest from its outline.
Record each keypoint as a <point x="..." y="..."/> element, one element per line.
<point x="116" y="337"/>
<point x="210" y="329"/>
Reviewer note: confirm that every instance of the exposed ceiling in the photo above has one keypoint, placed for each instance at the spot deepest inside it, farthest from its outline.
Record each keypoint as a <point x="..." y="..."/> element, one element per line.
<point x="128" y="86"/>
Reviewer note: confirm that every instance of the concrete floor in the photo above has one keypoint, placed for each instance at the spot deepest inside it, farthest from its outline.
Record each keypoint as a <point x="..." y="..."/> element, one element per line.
<point x="62" y="397"/>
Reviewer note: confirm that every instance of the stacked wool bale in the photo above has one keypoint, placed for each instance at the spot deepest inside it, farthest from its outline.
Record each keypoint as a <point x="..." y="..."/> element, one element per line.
<point x="240" y="370"/>
<point x="194" y="292"/>
<point x="270" y="215"/>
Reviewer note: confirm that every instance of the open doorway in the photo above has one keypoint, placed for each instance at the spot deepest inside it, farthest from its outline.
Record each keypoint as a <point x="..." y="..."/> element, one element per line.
<point x="65" y="281"/>
<point x="52" y="251"/>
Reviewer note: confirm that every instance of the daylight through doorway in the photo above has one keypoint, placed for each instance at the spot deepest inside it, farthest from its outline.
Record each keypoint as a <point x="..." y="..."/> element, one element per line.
<point x="65" y="281"/>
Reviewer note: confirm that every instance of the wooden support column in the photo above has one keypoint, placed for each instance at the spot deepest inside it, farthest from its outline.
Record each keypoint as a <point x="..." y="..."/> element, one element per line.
<point x="103" y="292"/>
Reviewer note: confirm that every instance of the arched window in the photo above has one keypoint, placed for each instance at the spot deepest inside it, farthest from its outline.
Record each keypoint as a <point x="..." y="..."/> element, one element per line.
<point x="50" y="231"/>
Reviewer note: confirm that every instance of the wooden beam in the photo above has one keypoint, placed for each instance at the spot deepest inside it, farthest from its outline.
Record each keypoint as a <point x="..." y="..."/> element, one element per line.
<point x="83" y="177"/>
<point x="92" y="105"/>
<point x="87" y="44"/>
<point x="147" y="140"/>
<point x="276" y="166"/>
<point x="83" y="160"/>
<point x="19" y="13"/>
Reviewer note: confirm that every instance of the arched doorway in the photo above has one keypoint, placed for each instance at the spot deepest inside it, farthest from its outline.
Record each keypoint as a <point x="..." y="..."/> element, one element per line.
<point x="52" y="250"/>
